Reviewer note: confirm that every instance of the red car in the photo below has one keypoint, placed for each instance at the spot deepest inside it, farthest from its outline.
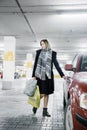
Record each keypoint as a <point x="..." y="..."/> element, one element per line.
<point x="75" y="94"/>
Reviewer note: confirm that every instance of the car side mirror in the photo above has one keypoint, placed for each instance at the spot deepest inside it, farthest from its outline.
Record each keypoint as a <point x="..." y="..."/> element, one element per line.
<point x="68" y="67"/>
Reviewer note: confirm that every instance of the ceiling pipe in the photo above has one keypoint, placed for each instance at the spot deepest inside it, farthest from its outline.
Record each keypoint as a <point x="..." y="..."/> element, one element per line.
<point x="60" y="9"/>
<point x="26" y="19"/>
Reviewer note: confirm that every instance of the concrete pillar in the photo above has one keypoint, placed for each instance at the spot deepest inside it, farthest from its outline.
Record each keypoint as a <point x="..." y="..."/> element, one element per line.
<point x="29" y="65"/>
<point x="8" y="62"/>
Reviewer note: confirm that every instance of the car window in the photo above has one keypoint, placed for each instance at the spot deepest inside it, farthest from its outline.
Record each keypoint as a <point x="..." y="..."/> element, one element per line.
<point x="84" y="64"/>
<point x="74" y="62"/>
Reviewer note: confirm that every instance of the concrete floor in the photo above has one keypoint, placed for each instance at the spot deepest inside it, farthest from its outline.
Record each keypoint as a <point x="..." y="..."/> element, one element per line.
<point x="16" y="113"/>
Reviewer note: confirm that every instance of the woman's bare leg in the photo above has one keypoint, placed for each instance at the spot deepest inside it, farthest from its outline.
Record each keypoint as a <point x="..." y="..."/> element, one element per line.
<point x="46" y="98"/>
<point x="45" y="112"/>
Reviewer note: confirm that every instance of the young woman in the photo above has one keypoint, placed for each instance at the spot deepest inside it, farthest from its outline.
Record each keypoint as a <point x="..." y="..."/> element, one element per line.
<point x="43" y="72"/>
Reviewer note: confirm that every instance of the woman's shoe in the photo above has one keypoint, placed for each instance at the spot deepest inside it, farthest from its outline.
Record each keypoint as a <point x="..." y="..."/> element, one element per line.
<point x="45" y="113"/>
<point x="34" y="110"/>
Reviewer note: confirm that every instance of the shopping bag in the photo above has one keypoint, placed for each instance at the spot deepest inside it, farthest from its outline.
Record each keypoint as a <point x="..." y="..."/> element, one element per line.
<point x="35" y="100"/>
<point x="30" y="87"/>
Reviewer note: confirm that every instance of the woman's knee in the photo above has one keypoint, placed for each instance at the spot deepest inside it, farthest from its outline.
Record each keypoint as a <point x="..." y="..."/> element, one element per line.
<point x="45" y="95"/>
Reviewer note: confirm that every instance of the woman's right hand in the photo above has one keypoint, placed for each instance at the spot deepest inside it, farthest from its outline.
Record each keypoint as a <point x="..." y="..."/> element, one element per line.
<point x="34" y="77"/>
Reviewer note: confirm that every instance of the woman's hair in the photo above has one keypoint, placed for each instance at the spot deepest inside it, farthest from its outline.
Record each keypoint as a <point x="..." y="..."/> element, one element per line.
<point x="46" y="43"/>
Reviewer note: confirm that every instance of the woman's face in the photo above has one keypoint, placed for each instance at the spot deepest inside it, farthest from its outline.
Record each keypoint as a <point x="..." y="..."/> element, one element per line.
<point x="43" y="45"/>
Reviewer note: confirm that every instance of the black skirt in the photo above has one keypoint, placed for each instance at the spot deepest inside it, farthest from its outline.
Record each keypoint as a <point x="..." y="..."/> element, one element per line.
<point x="45" y="86"/>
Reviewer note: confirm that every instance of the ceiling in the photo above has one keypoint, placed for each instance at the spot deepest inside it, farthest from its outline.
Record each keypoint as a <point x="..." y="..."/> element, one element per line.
<point x="62" y="22"/>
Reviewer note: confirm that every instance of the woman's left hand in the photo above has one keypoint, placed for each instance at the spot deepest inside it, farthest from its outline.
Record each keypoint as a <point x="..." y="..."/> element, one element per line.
<point x="65" y="77"/>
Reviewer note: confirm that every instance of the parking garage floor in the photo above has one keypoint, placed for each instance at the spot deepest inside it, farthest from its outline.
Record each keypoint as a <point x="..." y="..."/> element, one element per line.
<point x="16" y="113"/>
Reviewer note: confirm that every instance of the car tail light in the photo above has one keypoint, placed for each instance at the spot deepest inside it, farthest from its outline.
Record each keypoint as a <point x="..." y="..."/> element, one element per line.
<point x="83" y="100"/>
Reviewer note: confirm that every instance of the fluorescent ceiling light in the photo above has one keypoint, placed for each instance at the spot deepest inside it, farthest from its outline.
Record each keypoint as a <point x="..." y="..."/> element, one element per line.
<point x="1" y="44"/>
<point x="63" y="57"/>
<point x="83" y="50"/>
<point x="72" y="6"/>
<point x="2" y="49"/>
